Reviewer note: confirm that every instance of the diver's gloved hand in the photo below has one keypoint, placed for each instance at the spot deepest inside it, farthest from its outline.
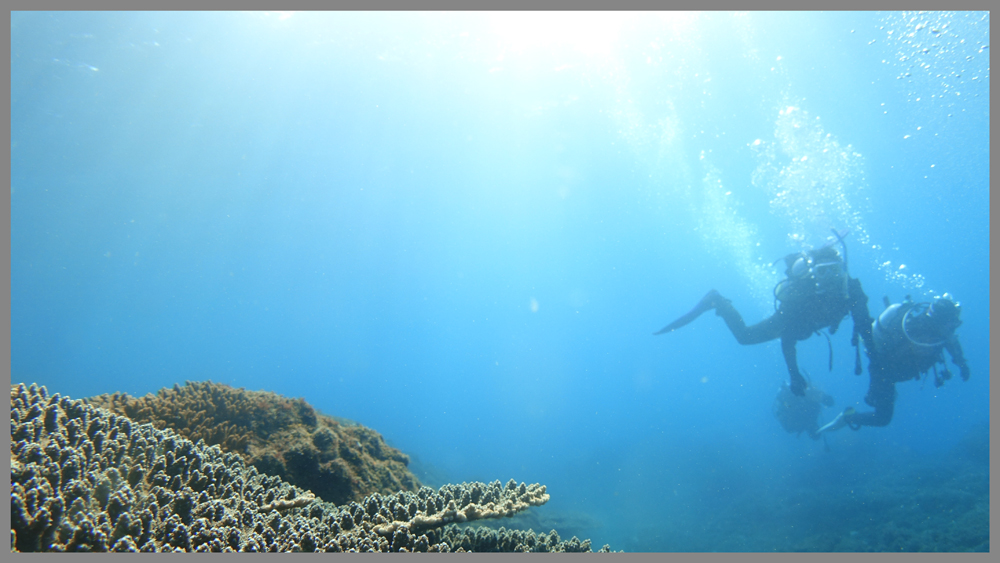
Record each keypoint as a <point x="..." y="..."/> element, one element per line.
<point x="964" y="371"/>
<point x="798" y="385"/>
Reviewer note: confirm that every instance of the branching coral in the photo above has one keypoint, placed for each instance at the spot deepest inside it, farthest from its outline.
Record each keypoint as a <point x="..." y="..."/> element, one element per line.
<point x="84" y="479"/>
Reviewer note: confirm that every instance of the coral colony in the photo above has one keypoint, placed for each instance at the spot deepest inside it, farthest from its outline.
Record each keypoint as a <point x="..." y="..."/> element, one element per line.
<point x="85" y="476"/>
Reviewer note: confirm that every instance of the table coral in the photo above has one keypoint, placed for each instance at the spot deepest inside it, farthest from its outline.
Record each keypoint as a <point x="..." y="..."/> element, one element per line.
<point x="86" y="479"/>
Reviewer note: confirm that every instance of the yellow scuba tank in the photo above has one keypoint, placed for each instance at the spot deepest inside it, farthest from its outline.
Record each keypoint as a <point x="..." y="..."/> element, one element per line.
<point x="887" y="329"/>
<point x="893" y="331"/>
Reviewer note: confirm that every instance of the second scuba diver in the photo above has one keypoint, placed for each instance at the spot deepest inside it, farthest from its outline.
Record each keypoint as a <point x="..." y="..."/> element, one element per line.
<point x="906" y="341"/>
<point x="817" y="293"/>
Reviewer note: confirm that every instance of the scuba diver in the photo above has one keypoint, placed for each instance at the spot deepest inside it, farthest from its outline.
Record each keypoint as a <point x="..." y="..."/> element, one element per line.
<point x="800" y="414"/>
<point x="817" y="293"/>
<point x="905" y="342"/>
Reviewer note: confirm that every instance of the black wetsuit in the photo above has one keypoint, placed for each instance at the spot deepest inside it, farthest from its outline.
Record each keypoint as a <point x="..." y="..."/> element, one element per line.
<point x="799" y="316"/>
<point x="893" y="360"/>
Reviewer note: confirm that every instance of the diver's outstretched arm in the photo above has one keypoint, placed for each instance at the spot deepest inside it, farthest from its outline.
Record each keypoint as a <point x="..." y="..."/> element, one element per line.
<point x="859" y="313"/>
<point x="955" y="351"/>
<point x="797" y="383"/>
<point x="709" y="301"/>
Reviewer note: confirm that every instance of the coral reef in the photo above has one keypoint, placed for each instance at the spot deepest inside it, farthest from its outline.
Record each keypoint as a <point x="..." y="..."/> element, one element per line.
<point x="85" y="479"/>
<point x="974" y="446"/>
<point x="939" y="504"/>
<point x="872" y="496"/>
<point x="338" y="461"/>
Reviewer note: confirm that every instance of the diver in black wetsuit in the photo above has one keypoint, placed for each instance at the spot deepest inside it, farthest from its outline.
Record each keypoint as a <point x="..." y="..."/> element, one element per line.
<point x="906" y="341"/>
<point x="817" y="293"/>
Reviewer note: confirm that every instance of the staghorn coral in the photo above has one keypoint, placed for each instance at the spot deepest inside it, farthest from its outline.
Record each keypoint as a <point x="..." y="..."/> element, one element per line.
<point x="85" y="479"/>
<point x="284" y="437"/>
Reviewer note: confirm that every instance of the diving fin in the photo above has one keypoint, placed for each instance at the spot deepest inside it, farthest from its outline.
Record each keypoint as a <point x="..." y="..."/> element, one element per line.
<point x="837" y="423"/>
<point x="709" y="301"/>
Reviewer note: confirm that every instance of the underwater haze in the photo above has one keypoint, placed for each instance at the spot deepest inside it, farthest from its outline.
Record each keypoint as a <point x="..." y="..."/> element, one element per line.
<point x="462" y="229"/>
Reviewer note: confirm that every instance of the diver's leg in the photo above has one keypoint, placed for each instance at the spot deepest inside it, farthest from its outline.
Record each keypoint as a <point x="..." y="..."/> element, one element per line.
<point x="882" y="396"/>
<point x="764" y="331"/>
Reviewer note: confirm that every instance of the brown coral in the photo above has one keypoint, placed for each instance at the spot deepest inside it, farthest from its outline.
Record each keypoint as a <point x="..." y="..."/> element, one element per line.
<point x="279" y="436"/>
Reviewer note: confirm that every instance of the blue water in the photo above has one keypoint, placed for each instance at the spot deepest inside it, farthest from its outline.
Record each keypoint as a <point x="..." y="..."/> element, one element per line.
<point x="462" y="229"/>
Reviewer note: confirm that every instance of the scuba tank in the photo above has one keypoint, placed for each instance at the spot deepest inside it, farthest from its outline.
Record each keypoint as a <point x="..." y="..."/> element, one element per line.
<point x="895" y="326"/>
<point x="887" y="330"/>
